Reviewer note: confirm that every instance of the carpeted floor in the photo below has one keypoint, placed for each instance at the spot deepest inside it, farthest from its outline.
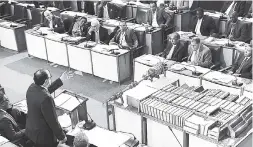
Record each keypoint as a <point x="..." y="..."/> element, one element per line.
<point x="5" y="53"/>
<point x="88" y="85"/>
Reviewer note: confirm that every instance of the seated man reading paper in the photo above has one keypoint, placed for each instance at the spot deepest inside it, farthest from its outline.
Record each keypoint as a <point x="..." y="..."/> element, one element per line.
<point x="97" y="33"/>
<point x="175" y="48"/>
<point x="199" y="54"/>
<point x="125" y="37"/>
<point x="53" y="22"/>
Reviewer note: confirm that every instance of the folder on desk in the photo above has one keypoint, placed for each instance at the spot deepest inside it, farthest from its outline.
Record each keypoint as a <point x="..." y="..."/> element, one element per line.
<point x="67" y="102"/>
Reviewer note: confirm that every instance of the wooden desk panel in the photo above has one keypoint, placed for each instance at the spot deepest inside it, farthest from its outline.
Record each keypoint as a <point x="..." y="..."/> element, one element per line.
<point x="36" y="46"/>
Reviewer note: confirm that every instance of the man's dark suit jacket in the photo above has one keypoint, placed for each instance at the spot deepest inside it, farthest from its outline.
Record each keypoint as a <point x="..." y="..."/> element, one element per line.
<point x="162" y="17"/>
<point x="241" y="33"/>
<point x="103" y="35"/>
<point x="10" y="129"/>
<point x="207" y="27"/>
<point x="179" y="51"/>
<point x="100" y="8"/>
<point x="130" y="38"/>
<point x="239" y="8"/>
<point x="56" y="22"/>
<point x="42" y="126"/>
<point x="246" y="71"/>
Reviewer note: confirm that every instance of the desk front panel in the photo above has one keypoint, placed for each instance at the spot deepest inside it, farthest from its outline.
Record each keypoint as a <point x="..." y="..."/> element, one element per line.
<point x="159" y="135"/>
<point x="36" y="46"/>
<point x="8" y="39"/>
<point x="127" y="121"/>
<point x="57" y="52"/>
<point x="183" y="79"/>
<point x="80" y="59"/>
<point x="105" y="66"/>
<point x="139" y="70"/>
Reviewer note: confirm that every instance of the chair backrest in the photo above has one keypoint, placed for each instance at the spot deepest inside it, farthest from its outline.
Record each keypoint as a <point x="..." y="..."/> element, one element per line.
<point x="141" y="37"/>
<point x="216" y="53"/>
<point x="116" y="10"/>
<point x="36" y="16"/>
<point x="67" y="23"/>
<point x="7" y="9"/>
<point x="19" y="12"/>
<point x="142" y="15"/>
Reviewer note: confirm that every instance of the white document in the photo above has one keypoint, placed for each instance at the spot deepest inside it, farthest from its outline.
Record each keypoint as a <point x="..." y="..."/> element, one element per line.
<point x="71" y="104"/>
<point x="64" y="120"/>
<point x="62" y="98"/>
<point x="3" y="140"/>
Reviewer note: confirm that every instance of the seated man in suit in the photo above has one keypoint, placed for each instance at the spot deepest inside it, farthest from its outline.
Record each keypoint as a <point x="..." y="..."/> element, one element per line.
<point x="79" y="27"/>
<point x="199" y="54"/>
<point x="97" y="33"/>
<point x="9" y="127"/>
<point x="19" y="116"/>
<point x="236" y="30"/>
<point x="243" y="66"/>
<point x="157" y="17"/>
<point x="234" y="6"/>
<point x="175" y="48"/>
<point x="125" y="37"/>
<point x="202" y="24"/>
<point x="102" y="9"/>
<point x="53" y="22"/>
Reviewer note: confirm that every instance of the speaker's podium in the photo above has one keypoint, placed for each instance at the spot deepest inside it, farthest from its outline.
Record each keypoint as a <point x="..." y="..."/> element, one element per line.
<point x="72" y="104"/>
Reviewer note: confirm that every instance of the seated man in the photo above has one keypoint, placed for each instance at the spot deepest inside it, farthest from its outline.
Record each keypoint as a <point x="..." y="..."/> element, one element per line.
<point x="5" y="105"/>
<point x="236" y="30"/>
<point x="243" y="66"/>
<point x="157" y="17"/>
<point x="180" y="5"/>
<point x="199" y="54"/>
<point x="53" y="22"/>
<point x="234" y="6"/>
<point x="102" y="9"/>
<point x="97" y="33"/>
<point x="9" y="127"/>
<point x="202" y="24"/>
<point x="81" y="140"/>
<point x="175" y="49"/>
<point x="79" y="27"/>
<point x="125" y="37"/>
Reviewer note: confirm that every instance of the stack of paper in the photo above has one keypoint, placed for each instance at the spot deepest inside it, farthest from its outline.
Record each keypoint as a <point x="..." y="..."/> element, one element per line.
<point x="64" y="120"/>
<point x="135" y="95"/>
<point x="3" y="140"/>
<point x="67" y="102"/>
<point x="150" y="60"/>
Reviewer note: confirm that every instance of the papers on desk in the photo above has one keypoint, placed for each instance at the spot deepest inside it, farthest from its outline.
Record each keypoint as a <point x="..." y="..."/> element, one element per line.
<point x="3" y="140"/>
<point x="57" y="36"/>
<point x="67" y="102"/>
<point x="22" y="105"/>
<point x="101" y="137"/>
<point x="149" y="59"/>
<point x="8" y="24"/>
<point x="246" y="19"/>
<point x="216" y="14"/>
<point x="112" y="22"/>
<point x="220" y="77"/>
<point x="64" y="120"/>
<point x="220" y="42"/>
<point x="108" y="48"/>
<point x="188" y="66"/>
<point x="72" y="13"/>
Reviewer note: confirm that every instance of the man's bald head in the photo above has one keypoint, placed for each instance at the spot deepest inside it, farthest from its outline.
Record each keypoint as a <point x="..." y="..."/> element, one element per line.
<point x="175" y="38"/>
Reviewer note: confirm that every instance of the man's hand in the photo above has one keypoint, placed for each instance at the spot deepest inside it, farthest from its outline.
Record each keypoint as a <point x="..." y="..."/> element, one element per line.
<point x="66" y="75"/>
<point x="63" y="141"/>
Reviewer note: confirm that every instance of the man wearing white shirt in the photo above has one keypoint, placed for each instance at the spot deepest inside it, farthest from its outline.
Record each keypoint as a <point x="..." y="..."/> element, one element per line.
<point x="199" y="54"/>
<point x="202" y="24"/>
<point x="175" y="48"/>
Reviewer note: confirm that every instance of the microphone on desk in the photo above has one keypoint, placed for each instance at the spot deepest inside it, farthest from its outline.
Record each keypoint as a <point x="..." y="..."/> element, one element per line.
<point x="235" y="82"/>
<point x="89" y="124"/>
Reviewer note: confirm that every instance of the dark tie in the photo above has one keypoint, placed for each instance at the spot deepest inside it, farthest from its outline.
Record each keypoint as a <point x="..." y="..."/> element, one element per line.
<point x="241" y="66"/>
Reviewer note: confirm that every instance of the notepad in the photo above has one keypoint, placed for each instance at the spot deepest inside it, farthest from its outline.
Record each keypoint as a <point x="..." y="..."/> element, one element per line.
<point x="67" y="102"/>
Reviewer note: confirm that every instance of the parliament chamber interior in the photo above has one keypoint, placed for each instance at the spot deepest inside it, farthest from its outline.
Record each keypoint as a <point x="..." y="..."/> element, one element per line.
<point x="126" y="73"/>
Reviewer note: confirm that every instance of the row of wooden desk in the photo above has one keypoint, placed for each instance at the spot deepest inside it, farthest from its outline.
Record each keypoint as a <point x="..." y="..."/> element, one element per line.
<point x="156" y="133"/>
<point x="97" y="60"/>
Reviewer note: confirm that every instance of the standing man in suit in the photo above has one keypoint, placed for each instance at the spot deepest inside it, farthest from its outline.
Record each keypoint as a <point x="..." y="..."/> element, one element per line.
<point x="199" y="54"/>
<point x="234" y="6"/>
<point x="243" y="66"/>
<point x="125" y="37"/>
<point x="202" y="24"/>
<point x="97" y="33"/>
<point x="236" y="30"/>
<point x="175" y="48"/>
<point x="42" y="126"/>
<point x="158" y="17"/>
